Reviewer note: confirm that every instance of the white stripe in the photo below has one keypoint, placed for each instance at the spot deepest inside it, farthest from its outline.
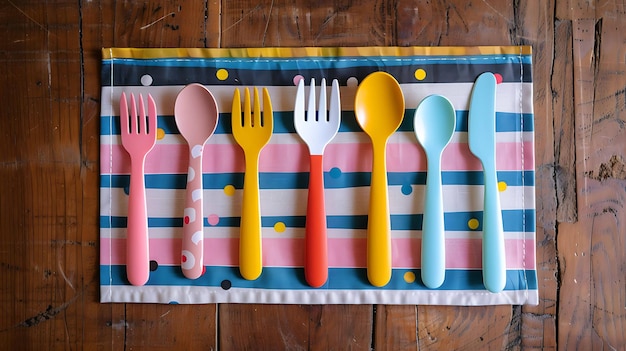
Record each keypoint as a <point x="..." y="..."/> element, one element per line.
<point x="168" y="203"/>
<point x="283" y="97"/>
<point x="204" y="295"/>
<point x="298" y="233"/>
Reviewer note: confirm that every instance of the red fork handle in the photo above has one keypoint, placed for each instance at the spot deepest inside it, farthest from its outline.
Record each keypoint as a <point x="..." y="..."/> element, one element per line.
<point x="316" y="245"/>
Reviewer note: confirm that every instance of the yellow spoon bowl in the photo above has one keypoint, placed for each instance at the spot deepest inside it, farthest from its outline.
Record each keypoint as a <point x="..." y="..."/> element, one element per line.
<point x="379" y="109"/>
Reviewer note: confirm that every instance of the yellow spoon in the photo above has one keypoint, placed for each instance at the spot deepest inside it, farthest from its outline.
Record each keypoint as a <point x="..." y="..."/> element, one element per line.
<point x="379" y="109"/>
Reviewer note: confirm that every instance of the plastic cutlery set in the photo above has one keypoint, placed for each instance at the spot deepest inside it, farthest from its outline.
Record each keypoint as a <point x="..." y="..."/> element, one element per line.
<point x="379" y="109"/>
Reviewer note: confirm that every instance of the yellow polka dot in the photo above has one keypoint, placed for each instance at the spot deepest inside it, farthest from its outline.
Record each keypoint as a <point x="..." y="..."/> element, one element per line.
<point x="409" y="277"/>
<point x="473" y="223"/>
<point x="502" y="186"/>
<point x="221" y="74"/>
<point x="420" y="74"/>
<point x="229" y="190"/>
<point x="280" y="227"/>
<point x="160" y="133"/>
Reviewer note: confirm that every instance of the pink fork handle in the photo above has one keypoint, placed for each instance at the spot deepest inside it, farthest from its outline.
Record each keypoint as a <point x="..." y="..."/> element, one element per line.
<point x="193" y="219"/>
<point x="316" y="251"/>
<point x="137" y="256"/>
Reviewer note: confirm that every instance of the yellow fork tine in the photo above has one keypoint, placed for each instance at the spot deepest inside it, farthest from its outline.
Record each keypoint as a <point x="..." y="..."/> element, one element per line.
<point x="257" y="119"/>
<point x="268" y="119"/>
<point x="236" y="109"/>
<point x="247" y="114"/>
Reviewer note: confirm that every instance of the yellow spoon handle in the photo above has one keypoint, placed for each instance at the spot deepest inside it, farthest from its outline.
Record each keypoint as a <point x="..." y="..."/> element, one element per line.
<point x="378" y="226"/>
<point x="250" y="261"/>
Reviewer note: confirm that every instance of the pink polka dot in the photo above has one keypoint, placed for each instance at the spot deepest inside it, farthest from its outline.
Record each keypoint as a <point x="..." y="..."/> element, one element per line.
<point x="183" y="259"/>
<point x="498" y="78"/>
<point x="186" y="219"/>
<point x="213" y="219"/>
<point x="297" y="79"/>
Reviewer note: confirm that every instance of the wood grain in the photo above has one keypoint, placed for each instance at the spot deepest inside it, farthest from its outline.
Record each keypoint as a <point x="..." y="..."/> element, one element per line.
<point x="49" y="173"/>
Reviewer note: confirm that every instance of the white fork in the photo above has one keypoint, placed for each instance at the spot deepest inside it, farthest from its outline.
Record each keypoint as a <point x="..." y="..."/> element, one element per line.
<point x="317" y="130"/>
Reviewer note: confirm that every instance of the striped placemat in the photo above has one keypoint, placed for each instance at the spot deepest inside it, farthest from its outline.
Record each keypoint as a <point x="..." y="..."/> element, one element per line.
<point x="421" y="71"/>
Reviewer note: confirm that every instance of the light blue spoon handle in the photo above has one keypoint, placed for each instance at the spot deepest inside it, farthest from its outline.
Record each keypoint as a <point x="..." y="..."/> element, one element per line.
<point x="494" y="263"/>
<point x="433" y="232"/>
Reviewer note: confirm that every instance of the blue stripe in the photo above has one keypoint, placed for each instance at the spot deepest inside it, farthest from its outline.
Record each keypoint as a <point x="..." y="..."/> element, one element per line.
<point x="335" y="179"/>
<point x="283" y="123"/>
<point x="317" y="62"/>
<point x="293" y="279"/>
<point x="513" y="221"/>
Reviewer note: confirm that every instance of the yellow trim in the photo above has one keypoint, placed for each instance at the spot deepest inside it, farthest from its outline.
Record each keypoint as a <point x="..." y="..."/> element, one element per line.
<point x="152" y="53"/>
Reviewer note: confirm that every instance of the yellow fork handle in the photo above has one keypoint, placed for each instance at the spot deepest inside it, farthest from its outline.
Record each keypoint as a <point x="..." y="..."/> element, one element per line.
<point x="250" y="249"/>
<point x="379" y="226"/>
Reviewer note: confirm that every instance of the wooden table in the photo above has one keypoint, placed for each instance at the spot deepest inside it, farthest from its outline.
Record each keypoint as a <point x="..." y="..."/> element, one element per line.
<point x="50" y="64"/>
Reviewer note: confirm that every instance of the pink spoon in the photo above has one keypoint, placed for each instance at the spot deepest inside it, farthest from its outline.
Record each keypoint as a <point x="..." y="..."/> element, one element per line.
<point x="196" y="115"/>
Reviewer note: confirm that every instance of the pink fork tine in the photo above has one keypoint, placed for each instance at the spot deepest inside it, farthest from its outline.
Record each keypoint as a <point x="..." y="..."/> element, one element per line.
<point x="138" y="138"/>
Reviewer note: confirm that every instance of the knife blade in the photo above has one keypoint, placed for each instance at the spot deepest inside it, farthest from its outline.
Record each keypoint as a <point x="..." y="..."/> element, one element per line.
<point x="482" y="143"/>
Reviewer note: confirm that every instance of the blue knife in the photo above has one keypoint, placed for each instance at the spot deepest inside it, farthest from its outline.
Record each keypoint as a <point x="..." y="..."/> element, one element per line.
<point x="482" y="143"/>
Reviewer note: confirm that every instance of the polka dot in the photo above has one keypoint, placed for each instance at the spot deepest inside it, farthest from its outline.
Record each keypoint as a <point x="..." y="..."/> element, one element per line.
<point x="183" y="259"/>
<point x="335" y="172"/>
<point x="409" y="277"/>
<point x="213" y="219"/>
<point x="226" y="284"/>
<point x="280" y="227"/>
<point x="406" y="189"/>
<point x="420" y="74"/>
<point x="127" y="190"/>
<point x="473" y="224"/>
<point x="160" y="133"/>
<point x="229" y="190"/>
<point x="221" y="74"/>
<point x="297" y="78"/>
<point x="146" y="80"/>
<point x="186" y="220"/>
<point x="502" y="186"/>
<point x="153" y="265"/>
<point x="173" y="302"/>
<point x="352" y="82"/>
<point x="498" y="78"/>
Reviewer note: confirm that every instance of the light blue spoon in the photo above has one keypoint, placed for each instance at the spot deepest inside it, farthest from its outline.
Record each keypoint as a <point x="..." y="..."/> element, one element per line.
<point x="434" y="124"/>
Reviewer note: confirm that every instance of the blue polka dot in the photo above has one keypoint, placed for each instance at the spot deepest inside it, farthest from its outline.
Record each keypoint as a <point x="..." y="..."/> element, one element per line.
<point x="335" y="172"/>
<point x="173" y="302"/>
<point x="127" y="189"/>
<point x="407" y="189"/>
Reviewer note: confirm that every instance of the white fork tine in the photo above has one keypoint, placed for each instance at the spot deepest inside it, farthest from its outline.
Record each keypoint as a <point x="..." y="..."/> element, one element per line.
<point x="322" y="114"/>
<point x="334" y="113"/>
<point x="299" y="106"/>
<point x="311" y="110"/>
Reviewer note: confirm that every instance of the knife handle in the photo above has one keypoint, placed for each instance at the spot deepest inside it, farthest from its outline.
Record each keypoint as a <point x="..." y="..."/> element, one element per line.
<point x="494" y="262"/>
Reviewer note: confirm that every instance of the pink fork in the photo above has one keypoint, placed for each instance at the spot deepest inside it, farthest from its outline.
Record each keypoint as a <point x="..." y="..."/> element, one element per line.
<point x="138" y="138"/>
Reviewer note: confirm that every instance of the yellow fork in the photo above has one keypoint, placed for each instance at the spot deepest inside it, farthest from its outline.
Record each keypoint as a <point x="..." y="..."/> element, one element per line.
<point x="252" y="131"/>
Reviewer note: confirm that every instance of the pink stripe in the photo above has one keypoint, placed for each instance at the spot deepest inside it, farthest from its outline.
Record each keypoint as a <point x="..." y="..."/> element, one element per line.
<point x="226" y="158"/>
<point x="461" y="253"/>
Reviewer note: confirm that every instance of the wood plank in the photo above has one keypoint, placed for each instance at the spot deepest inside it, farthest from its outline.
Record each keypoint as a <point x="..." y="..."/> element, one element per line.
<point x="591" y="251"/>
<point x="305" y="23"/>
<point x="43" y="246"/>
<point x="551" y="91"/>
<point x="295" y="327"/>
